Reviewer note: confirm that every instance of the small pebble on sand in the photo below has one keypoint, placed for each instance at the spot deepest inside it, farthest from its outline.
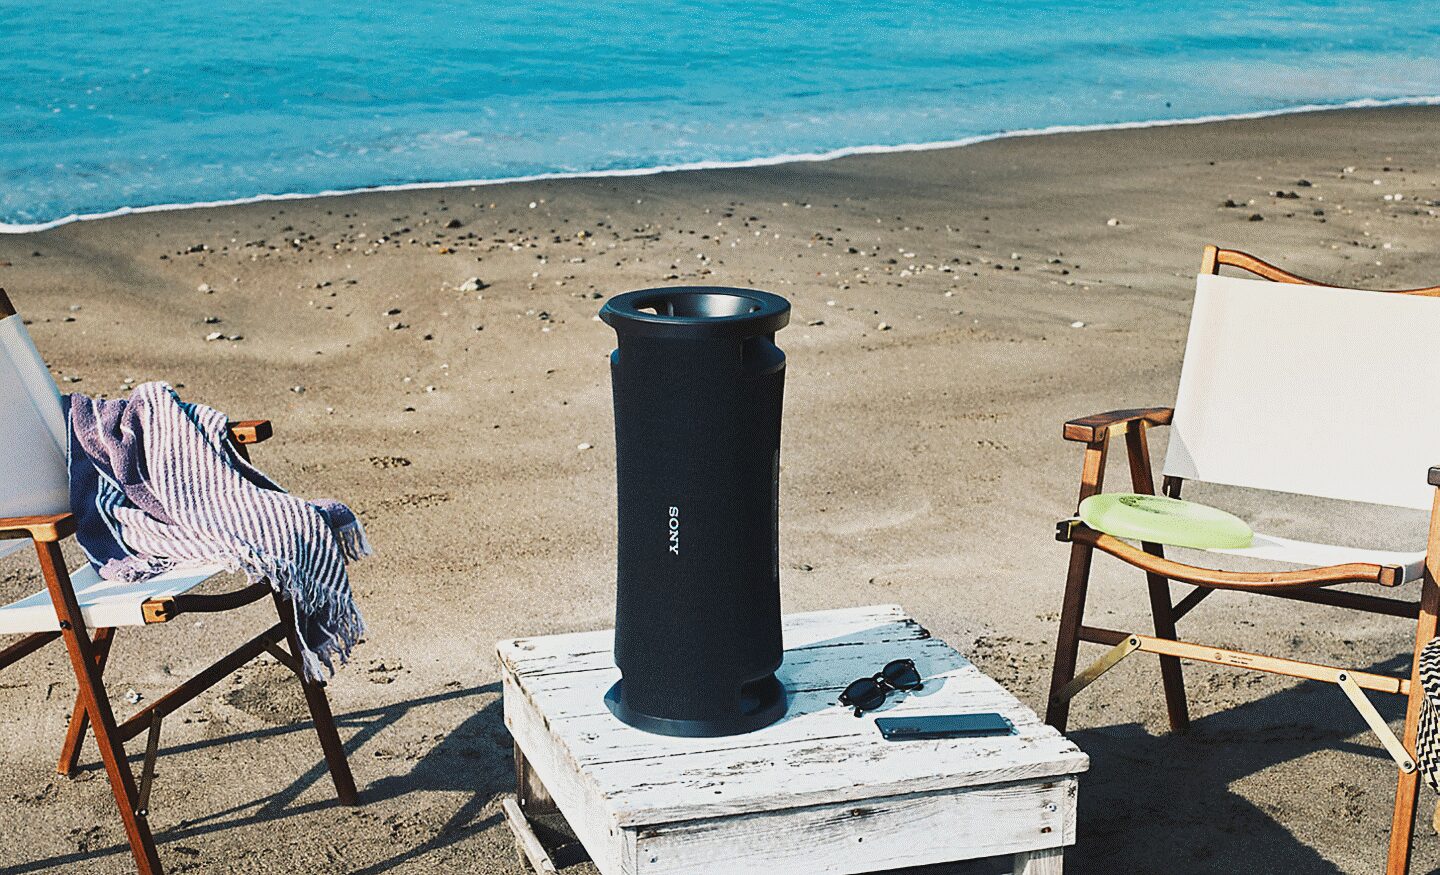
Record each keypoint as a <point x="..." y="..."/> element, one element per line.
<point x="1077" y="324"/>
<point x="473" y="284"/>
<point x="582" y="446"/>
<point x="204" y="288"/>
<point x="214" y="335"/>
<point x="1114" y="223"/>
<point x="883" y="326"/>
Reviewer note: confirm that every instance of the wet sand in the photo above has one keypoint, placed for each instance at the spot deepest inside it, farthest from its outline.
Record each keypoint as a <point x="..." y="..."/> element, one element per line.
<point x="951" y="309"/>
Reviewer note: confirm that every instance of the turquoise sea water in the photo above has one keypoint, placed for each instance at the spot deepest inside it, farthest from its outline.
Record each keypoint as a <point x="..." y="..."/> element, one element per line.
<point x="106" y="106"/>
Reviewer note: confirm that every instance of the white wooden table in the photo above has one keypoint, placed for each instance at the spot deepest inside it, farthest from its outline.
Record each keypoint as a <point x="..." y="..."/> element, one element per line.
<point x="820" y="791"/>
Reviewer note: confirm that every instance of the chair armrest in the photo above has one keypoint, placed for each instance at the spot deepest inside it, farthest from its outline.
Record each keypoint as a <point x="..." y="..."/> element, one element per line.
<point x="51" y="527"/>
<point x="1091" y="428"/>
<point x="251" y="431"/>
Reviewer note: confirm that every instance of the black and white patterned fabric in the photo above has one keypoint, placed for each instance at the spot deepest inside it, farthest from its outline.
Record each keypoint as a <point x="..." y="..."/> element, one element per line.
<point x="1427" y="743"/>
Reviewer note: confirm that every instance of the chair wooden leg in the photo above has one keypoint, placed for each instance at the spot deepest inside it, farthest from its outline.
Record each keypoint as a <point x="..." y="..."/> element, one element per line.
<point x="320" y="713"/>
<point x="1067" y="641"/>
<point x="1172" y="677"/>
<point x="1137" y="453"/>
<point x="1402" y="822"/>
<point x="79" y="718"/>
<point x="97" y="705"/>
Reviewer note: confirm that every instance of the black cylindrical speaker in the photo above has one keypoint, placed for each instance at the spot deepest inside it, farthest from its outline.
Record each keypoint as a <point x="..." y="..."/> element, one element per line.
<point x="698" y="383"/>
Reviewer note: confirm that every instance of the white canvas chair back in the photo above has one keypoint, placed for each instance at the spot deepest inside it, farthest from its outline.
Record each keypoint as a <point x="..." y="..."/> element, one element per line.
<point x="1309" y="389"/>
<point x="33" y="476"/>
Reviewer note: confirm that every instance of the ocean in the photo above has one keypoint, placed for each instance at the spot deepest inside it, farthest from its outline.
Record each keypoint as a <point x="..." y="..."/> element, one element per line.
<point x="116" y="106"/>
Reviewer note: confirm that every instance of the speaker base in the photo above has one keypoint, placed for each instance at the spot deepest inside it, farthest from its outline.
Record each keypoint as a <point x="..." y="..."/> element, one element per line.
<point x="763" y="703"/>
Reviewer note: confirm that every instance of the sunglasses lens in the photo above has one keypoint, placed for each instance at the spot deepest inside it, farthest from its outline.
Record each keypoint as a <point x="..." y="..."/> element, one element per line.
<point x="864" y="694"/>
<point x="902" y="675"/>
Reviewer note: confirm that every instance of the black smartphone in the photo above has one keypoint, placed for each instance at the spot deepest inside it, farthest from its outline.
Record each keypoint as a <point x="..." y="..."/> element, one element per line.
<point x="944" y="726"/>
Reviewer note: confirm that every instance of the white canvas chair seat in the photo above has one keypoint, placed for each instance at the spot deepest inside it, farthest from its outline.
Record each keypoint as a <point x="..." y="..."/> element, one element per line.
<point x="103" y="603"/>
<point x="1273" y="548"/>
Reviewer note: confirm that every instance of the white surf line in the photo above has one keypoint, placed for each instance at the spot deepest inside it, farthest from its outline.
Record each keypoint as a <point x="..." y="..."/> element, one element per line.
<point x="790" y="158"/>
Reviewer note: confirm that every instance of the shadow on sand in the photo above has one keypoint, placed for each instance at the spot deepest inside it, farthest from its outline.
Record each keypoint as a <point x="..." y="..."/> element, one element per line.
<point x="1155" y="803"/>
<point x="472" y="758"/>
<point x="1149" y="804"/>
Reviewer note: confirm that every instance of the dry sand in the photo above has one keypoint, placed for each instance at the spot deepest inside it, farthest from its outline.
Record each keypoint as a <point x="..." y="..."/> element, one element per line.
<point x="922" y="465"/>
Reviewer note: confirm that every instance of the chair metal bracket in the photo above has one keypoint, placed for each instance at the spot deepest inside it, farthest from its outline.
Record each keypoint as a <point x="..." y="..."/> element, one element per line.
<point x="1352" y="683"/>
<point x="1377" y="723"/>
<point x="147" y="771"/>
<point x="1112" y="658"/>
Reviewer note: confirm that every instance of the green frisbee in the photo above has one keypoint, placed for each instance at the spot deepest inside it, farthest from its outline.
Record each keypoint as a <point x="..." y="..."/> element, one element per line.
<point x="1162" y="520"/>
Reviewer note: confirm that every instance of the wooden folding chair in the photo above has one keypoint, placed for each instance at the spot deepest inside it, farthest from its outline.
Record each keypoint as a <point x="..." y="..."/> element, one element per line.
<point x="1288" y="385"/>
<point x="34" y="506"/>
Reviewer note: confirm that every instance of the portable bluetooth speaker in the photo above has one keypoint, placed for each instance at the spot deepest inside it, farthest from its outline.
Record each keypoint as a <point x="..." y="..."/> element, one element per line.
<point x="698" y="383"/>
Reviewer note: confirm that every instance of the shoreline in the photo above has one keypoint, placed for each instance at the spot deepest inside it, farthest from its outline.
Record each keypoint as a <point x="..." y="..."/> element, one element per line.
<point x="17" y="229"/>
<point x="434" y="359"/>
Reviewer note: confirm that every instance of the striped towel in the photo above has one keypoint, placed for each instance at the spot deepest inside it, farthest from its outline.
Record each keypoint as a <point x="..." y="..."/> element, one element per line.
<point x="156" y="484"/>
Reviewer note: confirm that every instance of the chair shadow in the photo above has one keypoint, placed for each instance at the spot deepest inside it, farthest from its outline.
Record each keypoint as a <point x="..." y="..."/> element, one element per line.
<point x="1149" y="803"/>
<point x="1176" y="791"/>
<point x="474" y="742"/>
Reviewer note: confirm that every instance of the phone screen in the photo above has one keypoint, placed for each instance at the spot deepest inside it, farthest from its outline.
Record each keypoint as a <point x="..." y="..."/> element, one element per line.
<point x="944" y="726"/>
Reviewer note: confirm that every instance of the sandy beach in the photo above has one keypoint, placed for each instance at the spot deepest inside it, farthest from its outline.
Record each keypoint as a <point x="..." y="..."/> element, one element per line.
<point x="432" y="357"/>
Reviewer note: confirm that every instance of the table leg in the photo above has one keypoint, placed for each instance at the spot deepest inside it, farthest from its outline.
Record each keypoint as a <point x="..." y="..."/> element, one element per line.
<point x="530" y="798"/>
<point x="525" y="839"/>
<point x="529" y="791"/>
<point x="1048" y="861"/>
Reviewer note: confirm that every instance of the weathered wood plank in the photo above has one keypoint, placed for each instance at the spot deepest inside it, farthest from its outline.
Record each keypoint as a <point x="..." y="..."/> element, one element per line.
<point x="891" y="832"/>
<point x="525" y="838"/>
<point x="715" y="784"/>
<point x="576" y="795"/>
<point x="597" y="738"/>
<point x="1050" y="861"/>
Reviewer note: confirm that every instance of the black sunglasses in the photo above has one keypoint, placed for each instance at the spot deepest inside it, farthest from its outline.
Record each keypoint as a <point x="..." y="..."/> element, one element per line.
<point x="867" y="694"/>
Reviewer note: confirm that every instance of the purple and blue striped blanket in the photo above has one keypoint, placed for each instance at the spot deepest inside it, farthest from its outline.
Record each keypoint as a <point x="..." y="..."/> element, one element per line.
<point x="156" y="484"/>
